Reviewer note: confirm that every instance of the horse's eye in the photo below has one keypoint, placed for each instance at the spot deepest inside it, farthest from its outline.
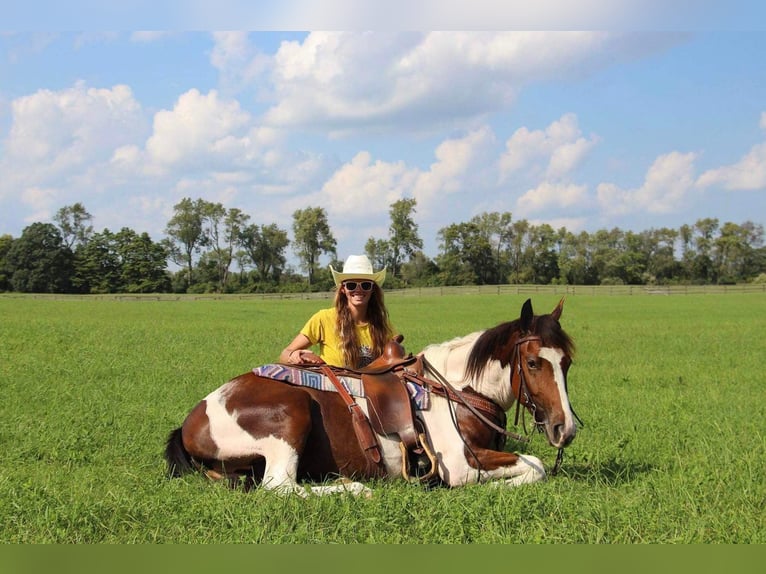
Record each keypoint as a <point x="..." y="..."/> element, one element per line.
<point x="532" y="363"/>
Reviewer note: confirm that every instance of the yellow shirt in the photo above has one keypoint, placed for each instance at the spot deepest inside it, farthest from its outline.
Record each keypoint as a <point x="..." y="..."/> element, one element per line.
<point x="320" y="330"/>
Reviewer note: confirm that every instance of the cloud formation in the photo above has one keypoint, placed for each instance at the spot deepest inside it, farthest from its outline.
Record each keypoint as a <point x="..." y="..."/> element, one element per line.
<point x="264" y="140"/>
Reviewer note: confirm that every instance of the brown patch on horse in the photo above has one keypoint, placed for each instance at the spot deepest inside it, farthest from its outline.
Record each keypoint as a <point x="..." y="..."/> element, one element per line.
<point x="196" y="434"/>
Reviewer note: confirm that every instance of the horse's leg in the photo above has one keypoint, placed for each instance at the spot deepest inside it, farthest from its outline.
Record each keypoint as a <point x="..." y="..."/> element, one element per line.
<point x="463" y="457"/>
<point x="514" y="468"/>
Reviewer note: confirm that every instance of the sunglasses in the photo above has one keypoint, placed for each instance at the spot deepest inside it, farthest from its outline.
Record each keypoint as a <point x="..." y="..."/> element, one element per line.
<point x="352" y="285"/>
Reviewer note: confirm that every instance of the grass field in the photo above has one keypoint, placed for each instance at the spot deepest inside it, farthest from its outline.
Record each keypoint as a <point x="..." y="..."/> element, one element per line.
<point x="670" y="388"/>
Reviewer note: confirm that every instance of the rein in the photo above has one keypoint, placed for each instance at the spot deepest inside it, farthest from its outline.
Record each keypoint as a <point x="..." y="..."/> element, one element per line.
<point x="460" y="396"/>
<point x="522" y="398"/>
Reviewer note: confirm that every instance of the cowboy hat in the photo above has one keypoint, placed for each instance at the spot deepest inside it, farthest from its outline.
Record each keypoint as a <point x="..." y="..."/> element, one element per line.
<point x="358" y="267"/>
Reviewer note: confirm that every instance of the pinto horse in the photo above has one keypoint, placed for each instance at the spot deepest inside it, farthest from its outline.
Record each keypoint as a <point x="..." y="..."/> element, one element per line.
<point x="258" y="430"/>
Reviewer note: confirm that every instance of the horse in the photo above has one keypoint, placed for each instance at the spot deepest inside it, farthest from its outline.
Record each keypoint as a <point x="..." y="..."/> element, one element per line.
<point x="260" y="431"/>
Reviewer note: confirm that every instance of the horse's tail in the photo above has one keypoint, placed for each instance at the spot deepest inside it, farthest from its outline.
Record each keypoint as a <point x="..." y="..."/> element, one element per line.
<point x="178" y="459"/>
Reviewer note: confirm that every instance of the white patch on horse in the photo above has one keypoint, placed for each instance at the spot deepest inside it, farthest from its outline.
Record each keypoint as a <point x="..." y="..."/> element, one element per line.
<point x="231" y="439"/>
<point x="554" y="357"/>
<point x="281" y="468"/>
<point x="454" y="467"/>
<point x="529" y="469"/>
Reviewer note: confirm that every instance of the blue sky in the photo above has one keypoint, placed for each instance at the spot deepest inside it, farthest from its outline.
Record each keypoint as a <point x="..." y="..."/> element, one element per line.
<point x="645" y="126"/>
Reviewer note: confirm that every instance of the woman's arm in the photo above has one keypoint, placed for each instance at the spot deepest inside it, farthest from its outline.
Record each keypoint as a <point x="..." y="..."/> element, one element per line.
<point x="298" y="352"/>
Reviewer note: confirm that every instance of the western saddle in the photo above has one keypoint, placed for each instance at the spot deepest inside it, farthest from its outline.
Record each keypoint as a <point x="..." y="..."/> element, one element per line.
<point x="390" y="410"/>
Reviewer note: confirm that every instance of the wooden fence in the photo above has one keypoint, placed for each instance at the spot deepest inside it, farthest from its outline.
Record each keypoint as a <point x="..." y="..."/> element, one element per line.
<point x="586" y="290"/>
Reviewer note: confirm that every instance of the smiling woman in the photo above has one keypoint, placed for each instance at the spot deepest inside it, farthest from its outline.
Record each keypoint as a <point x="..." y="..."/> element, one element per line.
<point x="355" y="330"/>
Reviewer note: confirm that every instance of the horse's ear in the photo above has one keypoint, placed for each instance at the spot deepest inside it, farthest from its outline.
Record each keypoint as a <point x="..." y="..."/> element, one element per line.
<point x="527" y="314"/>
<point x="556" y="314"/>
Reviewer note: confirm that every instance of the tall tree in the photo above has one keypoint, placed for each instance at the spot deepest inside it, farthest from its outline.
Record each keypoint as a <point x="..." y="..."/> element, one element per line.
<point x="143" y="263"/>
<point x="98" y="267"/>
<point x="519" y="239"/>
<point x="185" y="234"/>
<point x="543" y="253"/>
<point x="222" y="228"/>
<point x="704" y="269"/>
<point x="403" y="237"/>
<point x="6" y="241"/>
<point x="497" y="231"/>
<point x="39" y="261"/>
<point x="265" y="248"/>
<point x="461" y="253"/>
<point x="734" y="250"/>
<point x="74" y="223"/>
<point x="379" y="252"/>
<point x="311" y="238"/>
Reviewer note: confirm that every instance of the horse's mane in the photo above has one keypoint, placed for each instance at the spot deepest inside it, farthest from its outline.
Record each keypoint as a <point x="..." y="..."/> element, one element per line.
<point x="497" y="343"/>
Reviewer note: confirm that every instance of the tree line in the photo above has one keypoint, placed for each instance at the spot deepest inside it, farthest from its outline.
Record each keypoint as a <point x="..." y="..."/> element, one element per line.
<point x="218" y="249"/>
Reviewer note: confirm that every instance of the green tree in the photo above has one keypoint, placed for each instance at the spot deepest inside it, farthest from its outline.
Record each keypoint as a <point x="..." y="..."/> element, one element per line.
<point x="264" y="246"/>
<point x="222" y="228"/>
<point x="734" y="251"/>
<point x="97" y="265"/>
<point x="461" y="251"/>
<point x="703" y="266"/>
<point x="143" y="263"/>
<point x="662" y="265"/>
<point x="518" y="239"/>
<point x="543" y="254"/>
<point x="496" y="230"/>
<point x="403" y="237"/>
<point x="74" y="223"/>
<point x="420" y="271"/>
<point x="379" y="252"/>
<point x="575" y="259"/>
<point x="6" y="241"/>
<point x="311" y="238"/>
<point x="185" y="234"/>
<point x="39" y="261"/>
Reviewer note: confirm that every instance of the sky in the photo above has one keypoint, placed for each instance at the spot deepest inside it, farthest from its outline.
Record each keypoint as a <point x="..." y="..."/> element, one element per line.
<point x="588" y="120"/>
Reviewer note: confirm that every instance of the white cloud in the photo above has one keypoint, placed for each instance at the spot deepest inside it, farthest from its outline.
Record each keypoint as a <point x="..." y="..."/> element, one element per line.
<point x="200" y="128"/>
<point x="148" y="36"/>
<point x="350" y="81"/>
<point x="238" y="61"/>
<point x="41" y="200"/>
<point x="554" y="152"/>
<point x="460" y="163"/>
<point x="364" y="187"/>
<point x="552" y="197"/>
<point x="72" y="127"/>
<point x="666" y="188"/>
<point x="749" y="173"/>
<point x="57" y="140"/>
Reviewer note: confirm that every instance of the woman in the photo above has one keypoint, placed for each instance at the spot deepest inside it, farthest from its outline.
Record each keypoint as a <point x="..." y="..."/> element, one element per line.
<point x="353" y="332"/>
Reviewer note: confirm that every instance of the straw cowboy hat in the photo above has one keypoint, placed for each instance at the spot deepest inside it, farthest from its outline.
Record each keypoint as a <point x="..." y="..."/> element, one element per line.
<point x="358" y="267"/>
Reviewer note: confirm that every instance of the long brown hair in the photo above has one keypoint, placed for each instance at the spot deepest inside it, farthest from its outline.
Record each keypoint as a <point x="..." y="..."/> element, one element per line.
<point x="377" y="317"/>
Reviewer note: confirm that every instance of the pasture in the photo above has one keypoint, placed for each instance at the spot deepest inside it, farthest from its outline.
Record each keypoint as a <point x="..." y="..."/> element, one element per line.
<point x="670" y="388"/>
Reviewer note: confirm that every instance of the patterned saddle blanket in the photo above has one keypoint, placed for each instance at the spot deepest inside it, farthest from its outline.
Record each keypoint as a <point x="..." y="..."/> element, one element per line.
<point x="305" y="378"/>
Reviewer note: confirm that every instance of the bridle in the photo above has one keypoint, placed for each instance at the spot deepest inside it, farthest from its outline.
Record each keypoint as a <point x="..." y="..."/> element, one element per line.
<point x="523" y="398"/>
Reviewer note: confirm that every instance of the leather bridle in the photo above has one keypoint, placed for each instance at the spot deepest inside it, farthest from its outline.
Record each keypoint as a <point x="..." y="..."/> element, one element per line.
<point x="523" y="398"/>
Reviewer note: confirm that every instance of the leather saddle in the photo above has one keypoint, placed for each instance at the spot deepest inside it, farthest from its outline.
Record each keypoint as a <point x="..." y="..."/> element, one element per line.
<point x="390" y="409"/>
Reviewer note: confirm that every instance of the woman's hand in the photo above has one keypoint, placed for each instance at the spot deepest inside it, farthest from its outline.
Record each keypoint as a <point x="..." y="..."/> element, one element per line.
<point x="303" y="357"/>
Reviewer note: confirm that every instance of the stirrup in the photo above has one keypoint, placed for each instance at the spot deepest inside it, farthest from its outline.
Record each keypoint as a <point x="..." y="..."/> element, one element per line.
<point x="406" y="461"/>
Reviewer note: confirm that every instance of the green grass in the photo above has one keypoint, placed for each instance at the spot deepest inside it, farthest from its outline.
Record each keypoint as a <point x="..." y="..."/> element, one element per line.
<point x="670" y="388"/>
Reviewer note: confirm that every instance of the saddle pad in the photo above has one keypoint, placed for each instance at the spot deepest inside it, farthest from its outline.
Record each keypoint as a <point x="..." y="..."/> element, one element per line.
<point x="318" y="381"/>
